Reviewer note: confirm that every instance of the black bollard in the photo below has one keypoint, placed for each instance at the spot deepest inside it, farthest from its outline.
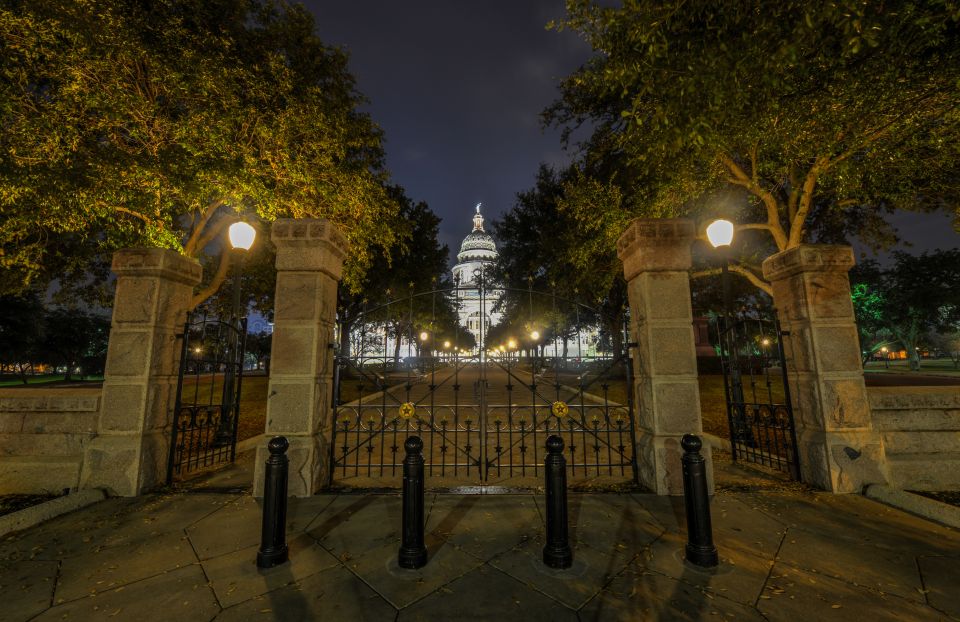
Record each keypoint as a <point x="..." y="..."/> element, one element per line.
<point x="273" y="542"/>
<point x="413" y="552"/>
<point x="700" y="548"/>
<point x="557" y="552"/>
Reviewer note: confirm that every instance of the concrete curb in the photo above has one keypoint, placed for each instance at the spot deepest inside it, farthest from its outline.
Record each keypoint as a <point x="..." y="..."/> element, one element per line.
<point x="34" y="515"/>
<point x="250" y="443"/>
<point x="915" y="504"/>
<point x="716" y="442"/>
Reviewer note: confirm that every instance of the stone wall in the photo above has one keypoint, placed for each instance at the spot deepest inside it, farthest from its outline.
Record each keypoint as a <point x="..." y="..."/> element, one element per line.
<point x="43" y="436"/>
<point x="920" y="427"/>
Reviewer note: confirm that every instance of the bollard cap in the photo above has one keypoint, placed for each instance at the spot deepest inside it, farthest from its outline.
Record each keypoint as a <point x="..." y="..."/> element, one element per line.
<point x="555" y="444"/>
<point x="691" y="443"/>
<point x="278" y="445"/>
<point x="413" y="445"/>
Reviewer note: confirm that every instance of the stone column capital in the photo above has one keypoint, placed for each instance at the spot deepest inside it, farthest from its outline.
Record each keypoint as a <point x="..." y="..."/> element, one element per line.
<point x="157" y="262"/>
<point x="312" y="244"/>
<point x="808" y="258"/>
<point x="656" y="245"/>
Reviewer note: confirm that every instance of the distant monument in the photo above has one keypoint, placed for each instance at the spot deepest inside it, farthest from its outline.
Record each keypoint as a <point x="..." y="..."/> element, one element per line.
<point x="478" y="253"/>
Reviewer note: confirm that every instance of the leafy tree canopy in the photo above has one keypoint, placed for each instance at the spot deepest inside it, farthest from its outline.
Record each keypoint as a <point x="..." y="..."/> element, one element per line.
<point x="560" y="237"/>
<point x="130" y="123"/>
<point x="415" y="263"/>
<point x="825" y="115"/>
<point x="916" y="295"/>
<point x="30" y="333"/>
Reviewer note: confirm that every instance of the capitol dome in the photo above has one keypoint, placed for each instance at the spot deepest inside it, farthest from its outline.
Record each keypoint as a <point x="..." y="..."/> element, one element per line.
<point x="477" y="251"/>
<point x="478" y="254"/>
<point x="479" y="245"/>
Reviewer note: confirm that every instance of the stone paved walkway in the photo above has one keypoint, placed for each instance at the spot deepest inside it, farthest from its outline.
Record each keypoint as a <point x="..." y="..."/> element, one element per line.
<point x="787" y="554"/>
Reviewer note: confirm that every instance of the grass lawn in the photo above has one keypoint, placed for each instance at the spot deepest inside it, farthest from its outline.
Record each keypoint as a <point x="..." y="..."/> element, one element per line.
<point x="253" y="400"/>
<point x="713" y="406"/>
<point x="15" y="381"/>
<point x="937" y="367"/>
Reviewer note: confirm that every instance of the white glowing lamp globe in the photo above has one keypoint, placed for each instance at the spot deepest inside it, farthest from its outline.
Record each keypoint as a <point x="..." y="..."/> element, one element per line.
<point x="720" y="233"/>
<point x="242" y="235"/>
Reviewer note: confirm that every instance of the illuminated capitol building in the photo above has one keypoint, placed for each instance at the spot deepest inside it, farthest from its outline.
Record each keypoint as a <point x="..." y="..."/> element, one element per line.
<point x="478" y="254"/>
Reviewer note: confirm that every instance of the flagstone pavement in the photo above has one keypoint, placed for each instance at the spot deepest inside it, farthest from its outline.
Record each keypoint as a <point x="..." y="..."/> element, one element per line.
<point x="787" y="553"/>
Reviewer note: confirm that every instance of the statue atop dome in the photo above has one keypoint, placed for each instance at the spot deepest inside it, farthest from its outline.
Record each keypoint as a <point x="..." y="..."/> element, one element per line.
<point x="478" y="219"/>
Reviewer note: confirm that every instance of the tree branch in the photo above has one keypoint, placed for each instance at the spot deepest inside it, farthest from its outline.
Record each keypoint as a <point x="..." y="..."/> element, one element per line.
<point x="806" y="201"/>
<point x="137" y="215"/>
<point x="794" y="194"/>
<point x="214" y="231"/>
<point x="215" y="283"/>
<point x="743" y="271"/>
<point x="753" y="225"/>
<point x="191" y="248"/>
<point x="905" y="110"/>
<point x="740" y="178"/>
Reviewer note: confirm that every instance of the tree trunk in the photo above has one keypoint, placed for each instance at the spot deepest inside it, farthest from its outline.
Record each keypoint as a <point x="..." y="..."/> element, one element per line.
<point x="396" y="345"/>
<point x="914" y="359"/>
<point x="346" y="326"/>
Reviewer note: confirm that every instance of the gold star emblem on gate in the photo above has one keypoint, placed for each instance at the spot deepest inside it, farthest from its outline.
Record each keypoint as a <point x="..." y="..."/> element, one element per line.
<point x="407" y="409"/>
<point x="559" y="409"/>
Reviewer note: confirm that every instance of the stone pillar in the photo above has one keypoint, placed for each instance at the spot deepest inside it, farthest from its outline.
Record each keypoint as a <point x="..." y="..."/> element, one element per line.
<point x="839" y="450"/>
<point x="130" y="453"/>
<point x="310" y="254"/>
<point x="656" y="262"/>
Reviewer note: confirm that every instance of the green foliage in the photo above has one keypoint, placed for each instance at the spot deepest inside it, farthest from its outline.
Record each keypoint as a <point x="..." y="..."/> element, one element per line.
<point x="129" y="123"/>
<point x="560" y="238"/>
<point x="414" y="264"/>
<point x="259" y="348"/>
<point x="73" y="338"/>
<point x="61" y="337"/>
<point x="820" y="117"/>
<point x="21" y="331"/>
<point x="868" y="308"/>
<point x="916" y="295"/>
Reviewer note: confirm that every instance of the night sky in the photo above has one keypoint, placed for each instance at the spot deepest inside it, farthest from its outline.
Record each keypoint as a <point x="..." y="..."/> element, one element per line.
<point x="458" y="87"/>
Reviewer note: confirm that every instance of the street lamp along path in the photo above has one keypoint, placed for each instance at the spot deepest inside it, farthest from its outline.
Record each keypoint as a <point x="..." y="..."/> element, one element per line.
<point x="720" y="233"/>
<point x="242" y="236"/>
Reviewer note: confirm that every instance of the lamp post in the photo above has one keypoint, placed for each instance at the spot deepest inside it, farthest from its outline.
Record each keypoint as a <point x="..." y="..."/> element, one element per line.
<point x="241" y="237"/>
<point x="886" y="357"/>
<point x="720" y="235"/>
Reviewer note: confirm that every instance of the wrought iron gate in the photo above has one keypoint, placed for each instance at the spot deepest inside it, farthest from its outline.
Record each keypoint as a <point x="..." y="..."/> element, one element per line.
<point x="759" y="408"/>
<point x="207" y="407"/>
<point x="483" y="410"/>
